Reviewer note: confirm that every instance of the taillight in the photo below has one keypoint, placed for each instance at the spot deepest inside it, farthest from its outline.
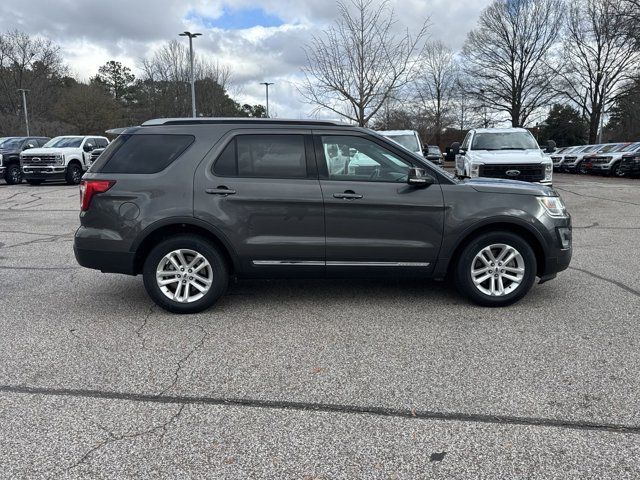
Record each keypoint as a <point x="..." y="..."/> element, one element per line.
<point x="89" y="188"/>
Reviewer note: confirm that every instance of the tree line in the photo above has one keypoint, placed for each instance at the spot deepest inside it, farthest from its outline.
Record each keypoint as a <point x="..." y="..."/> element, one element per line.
<point x="60" y="104"/>
<point x="555" y="66"/>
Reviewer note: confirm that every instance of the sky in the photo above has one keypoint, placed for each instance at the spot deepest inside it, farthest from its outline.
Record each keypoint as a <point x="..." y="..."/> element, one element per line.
<point x="259" y="40"/>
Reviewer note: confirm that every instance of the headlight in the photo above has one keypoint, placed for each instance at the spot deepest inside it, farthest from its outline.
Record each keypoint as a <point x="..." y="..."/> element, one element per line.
<point x="474" y="170"/>
<point x="553" y="206"/>
<point x="60" y="159"/>
<point x="548" y="171"/>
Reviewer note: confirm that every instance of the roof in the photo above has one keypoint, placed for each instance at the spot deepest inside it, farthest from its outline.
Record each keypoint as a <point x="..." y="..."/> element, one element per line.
<point x="500" y="130"/>
<point x="244" y="121"/>
<point x="391" y="133"/>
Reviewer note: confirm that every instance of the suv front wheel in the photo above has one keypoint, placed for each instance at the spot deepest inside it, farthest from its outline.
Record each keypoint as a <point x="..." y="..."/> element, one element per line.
<point x="185" y="274"/>
<point x="496" y="269"/>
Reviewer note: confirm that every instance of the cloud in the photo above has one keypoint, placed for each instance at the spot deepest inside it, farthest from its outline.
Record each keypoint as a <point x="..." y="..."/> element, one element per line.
<point x="259" y="40"/>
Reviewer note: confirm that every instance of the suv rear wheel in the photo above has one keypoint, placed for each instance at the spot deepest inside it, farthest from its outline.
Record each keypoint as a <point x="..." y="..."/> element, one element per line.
<point x="13" y="174"/>
<point x="496" y="269"/>
<point x="185" y="274"/>
<point x="73" y="175"/>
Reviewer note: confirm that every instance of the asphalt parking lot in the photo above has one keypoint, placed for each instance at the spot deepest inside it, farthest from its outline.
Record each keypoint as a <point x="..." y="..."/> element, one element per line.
<point x="319" y="379"/>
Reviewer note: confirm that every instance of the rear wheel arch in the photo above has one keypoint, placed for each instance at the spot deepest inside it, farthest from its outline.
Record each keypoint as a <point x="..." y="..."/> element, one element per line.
<point x="157" y="233"/>
<point x="526" y="233"/>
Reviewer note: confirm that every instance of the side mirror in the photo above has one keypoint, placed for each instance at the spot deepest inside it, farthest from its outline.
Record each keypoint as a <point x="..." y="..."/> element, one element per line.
<point x="551" y="146"/>
<point x="455" y="148"/>
<point x="418" y="177"/>
<point x="28" y="146"/>
<point x="88" y="147"/>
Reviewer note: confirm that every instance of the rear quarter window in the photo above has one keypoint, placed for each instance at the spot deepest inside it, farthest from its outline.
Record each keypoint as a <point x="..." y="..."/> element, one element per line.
<point x="142" y="153"/>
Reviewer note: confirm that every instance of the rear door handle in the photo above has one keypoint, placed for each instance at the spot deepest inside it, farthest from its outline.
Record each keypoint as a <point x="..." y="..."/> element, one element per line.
<point x="348" y="195"/>
<point x="220" y="191"/>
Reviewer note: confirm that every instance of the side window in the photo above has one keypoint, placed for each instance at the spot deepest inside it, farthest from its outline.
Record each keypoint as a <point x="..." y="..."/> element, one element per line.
<point x="101" y="142"/>
<point x="359" y="159"/>
<point x="263" y="156"/>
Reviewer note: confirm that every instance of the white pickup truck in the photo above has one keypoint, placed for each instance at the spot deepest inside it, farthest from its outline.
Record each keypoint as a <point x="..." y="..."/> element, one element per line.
<point x="61" y="158"/>
<point x="510" y="153"/>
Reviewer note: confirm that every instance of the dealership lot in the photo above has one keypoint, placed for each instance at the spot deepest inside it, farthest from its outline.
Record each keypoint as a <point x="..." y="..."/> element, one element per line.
<point x="322" y="378"/>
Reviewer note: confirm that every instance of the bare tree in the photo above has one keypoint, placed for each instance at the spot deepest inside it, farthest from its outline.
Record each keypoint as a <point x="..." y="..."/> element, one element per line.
<point x="508" y="54"/>
<point x="598" y="59"/>
<point x="437" y="87"/>
<point x="361" y="61"/>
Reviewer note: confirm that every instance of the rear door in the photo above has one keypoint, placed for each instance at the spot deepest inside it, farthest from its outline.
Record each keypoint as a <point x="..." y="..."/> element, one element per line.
<point x="260" y="189"/>
<point x="374" y="220"/>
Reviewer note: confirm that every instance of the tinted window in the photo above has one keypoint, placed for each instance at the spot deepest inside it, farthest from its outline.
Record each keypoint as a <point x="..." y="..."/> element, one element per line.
<point x="360" y="159"/>
<point x="141" y="153"/>
<point x="101" y="142"/>
<point x="263" y="156"/>
<point x="64" y="142"/>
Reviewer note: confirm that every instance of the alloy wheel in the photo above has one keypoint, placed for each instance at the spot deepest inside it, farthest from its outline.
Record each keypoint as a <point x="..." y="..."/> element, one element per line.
<point x="184" y="276"/>
<point x="497" y="270"/>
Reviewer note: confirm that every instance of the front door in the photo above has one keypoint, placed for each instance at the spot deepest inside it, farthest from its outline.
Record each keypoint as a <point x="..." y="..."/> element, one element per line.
<point x="261" y="191"/>
<point x="374" y="220"/>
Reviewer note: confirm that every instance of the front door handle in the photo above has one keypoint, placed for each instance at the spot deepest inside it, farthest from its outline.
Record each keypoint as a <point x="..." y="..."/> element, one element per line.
<point x="222" y="190"/>
<point x="348" y="195"/>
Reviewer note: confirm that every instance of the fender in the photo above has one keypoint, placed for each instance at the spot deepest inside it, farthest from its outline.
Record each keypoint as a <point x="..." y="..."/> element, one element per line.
<point x="165" y="222"/>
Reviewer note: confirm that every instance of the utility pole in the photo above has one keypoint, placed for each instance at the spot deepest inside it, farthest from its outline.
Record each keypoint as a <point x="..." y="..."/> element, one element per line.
<point x="193" y="80"/>
<point x="266" y="86"/>
<point x="24" y="105"/>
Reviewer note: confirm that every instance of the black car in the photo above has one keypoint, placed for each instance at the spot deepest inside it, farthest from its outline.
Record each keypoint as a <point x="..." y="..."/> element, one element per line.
<point x="189" y="203"/>
<point x="10" y="149"/>
<point x="630" y="165"/>
<point x="434" y="154"/>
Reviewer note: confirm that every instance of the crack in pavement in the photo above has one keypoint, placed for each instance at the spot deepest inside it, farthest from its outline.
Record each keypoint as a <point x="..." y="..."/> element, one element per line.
<point x="597" y="226"/>
<point x="328" y="408"/>
<point x="48" y="239"/>
<point x="617" y="283"/>
<point x="144" y="324"/>
<point x="176" y="374"/>
<point x="596" y="197"/>
<point x="112" y="437"/>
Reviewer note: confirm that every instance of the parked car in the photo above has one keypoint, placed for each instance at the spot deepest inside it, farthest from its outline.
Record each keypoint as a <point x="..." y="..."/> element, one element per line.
<point x="61" y="158"/>
<point x="607" y="148"/>
<point x="510" y="153"/>
<point x="630" y="164"/>
<point x="573" y="161"/>
<point x="95" y="153"/>
<point x="558" y="157"/>
<point x="409" y="139"/>
<point x="433" y="154"/>
<point x="189" y="203"/>
<point x="608" y="163"/>
<point x="10" y="150"/>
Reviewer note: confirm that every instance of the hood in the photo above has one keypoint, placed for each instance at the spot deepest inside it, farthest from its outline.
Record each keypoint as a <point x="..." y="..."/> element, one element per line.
<point x="498" y="185"/>
<point x="508" y="156"/>
<point x="9" y="151"/>
<point x="49" y="151"/>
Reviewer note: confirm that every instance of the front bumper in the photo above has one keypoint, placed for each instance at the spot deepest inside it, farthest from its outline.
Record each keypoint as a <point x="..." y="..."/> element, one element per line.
<point x="42" y="172"/>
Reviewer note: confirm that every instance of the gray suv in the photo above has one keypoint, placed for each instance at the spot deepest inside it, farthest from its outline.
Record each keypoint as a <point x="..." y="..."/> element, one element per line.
<point x="189" y="203"/>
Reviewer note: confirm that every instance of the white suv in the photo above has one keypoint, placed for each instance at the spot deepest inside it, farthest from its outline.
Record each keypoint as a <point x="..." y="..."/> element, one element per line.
<point x="510" y="153"/>
<point x="409" y="139"/>
<point x="61" y="158"/>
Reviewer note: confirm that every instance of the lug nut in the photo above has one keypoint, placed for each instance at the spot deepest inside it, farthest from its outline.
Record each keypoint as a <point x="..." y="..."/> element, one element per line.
<point x="490" y="271"/>
<point x="190" y="278"/>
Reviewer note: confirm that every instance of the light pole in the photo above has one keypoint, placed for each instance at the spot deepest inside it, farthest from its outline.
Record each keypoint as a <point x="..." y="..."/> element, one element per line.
<point x="24" y="105"/>
<point x="266" y="86"/>
<point x="193" y="80"/>
<point x="602" y="100"/>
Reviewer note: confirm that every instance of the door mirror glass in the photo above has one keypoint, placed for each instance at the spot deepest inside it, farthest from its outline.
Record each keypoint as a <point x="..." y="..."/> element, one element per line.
<point x="28" y="146"/>
<point x="455" y="148"/>
<point x="418" y="177"/>
<point x="88" y="147"/>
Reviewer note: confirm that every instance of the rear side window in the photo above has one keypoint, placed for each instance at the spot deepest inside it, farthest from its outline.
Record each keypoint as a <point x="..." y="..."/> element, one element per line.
<point x="141" y="153"/>
<point x="263" y="156"/>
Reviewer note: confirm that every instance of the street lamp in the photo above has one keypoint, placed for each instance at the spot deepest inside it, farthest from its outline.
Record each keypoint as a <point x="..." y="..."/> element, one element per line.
<point x="266" y="86"/>
<point x="24" y="105"/>
<point x="193" y="81"/>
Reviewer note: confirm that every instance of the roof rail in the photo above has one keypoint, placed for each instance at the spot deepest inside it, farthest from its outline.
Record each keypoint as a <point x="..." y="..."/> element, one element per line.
<point x="235" y="120"/>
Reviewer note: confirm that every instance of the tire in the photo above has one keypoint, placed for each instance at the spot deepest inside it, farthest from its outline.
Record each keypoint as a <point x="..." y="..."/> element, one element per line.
<point x="194" y="299"/>
<point x="615" y="171"/>
<point x="13" y="174"/>
<point x="35" y="182"/>
<point x="512" y="291"/>
<point x="581" y="169"/>
<point x="73" y="175"/>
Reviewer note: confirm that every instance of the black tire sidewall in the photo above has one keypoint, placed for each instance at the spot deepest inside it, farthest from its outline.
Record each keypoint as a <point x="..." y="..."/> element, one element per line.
<point x="465" y="284"/>
<point x="69" y="174"/>
<point x="200" y="245"/>
<point x="8" y="177"/>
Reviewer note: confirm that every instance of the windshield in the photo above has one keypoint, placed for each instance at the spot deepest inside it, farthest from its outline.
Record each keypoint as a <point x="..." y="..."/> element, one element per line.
<point x="12" y="143"/>
<point x="408" y="141"/>
<point x="504" y="141"/>
<point x="63" y="142"/>
<point x="434" y="150"/>
<point x="631" y="148"/>
<point x="611" y="148"/>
